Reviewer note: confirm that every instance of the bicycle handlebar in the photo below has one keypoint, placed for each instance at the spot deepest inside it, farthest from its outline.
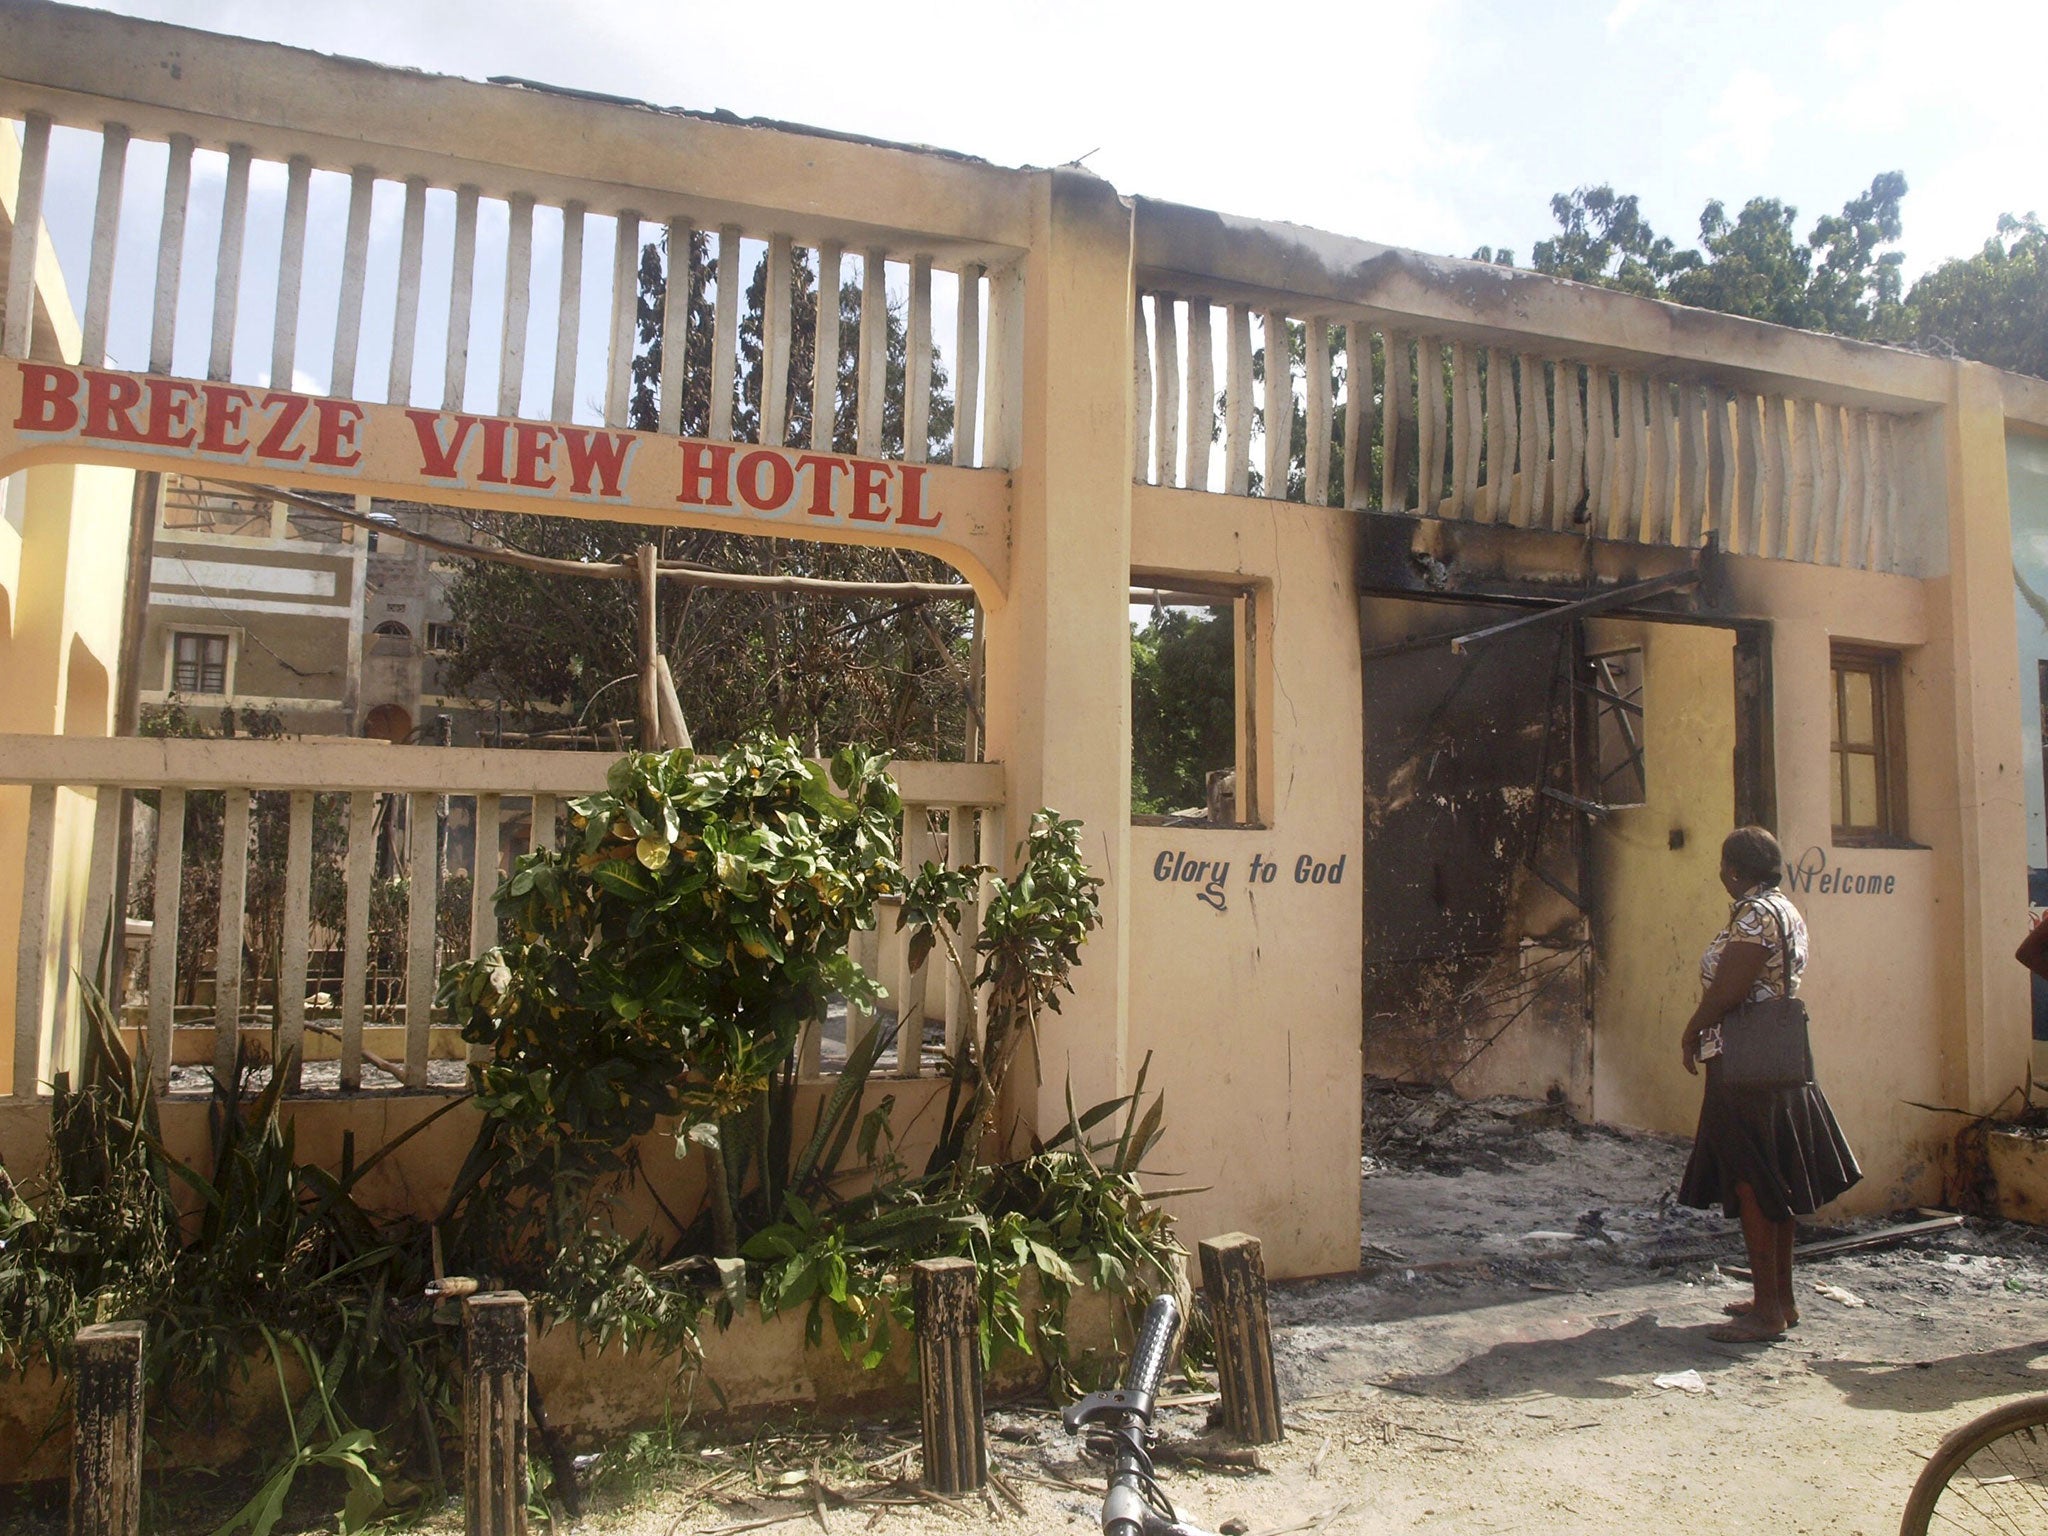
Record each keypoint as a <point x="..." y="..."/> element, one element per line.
<point x="1156" y="1335"/>
<point x="1126" y="1417"/>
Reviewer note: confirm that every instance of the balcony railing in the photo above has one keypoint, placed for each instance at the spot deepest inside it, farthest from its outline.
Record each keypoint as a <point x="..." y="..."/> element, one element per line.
<point x="520" y="218"/>
<point x="379" y="810"/>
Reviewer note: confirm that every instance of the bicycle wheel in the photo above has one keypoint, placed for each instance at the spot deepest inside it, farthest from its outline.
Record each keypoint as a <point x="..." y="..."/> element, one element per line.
<point x="1989" y="1475"/>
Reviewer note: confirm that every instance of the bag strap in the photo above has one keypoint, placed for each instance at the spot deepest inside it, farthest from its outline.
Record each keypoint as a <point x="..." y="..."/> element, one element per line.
<point x="1784" y="940"/>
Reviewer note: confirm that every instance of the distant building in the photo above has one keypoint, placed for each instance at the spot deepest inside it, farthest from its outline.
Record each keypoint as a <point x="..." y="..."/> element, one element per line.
<point x="256" y="603"/>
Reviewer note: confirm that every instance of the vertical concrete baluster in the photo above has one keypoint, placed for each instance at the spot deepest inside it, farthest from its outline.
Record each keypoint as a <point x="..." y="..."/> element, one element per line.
<point x="227" y="968"/>
<point x="518" y="304"/>
<point x="1166" y="387"/>
<point x="355" y="960"/>
<point x="775" y="336"/>
<point x="106" y="240"/>
<point x="1317" y="400"/>
<point x="568" y="311"/>
<point x="461" y="300"/>
<point x="1199" y="429"/>
<point x="405" y="311"/>
<point x="355" y="261"/>
<point x="967" y="366"/>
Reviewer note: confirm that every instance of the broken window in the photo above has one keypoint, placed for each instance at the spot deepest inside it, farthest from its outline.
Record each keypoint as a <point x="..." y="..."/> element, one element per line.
<point x="1867" y="786"/>
<point x="1614" y="683"/>
<point x="192" y="505"/>
<point x="1191" y="705"/>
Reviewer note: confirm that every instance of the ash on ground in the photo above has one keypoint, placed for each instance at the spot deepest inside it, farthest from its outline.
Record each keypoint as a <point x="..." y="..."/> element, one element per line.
<point x="1519" y="1189"/>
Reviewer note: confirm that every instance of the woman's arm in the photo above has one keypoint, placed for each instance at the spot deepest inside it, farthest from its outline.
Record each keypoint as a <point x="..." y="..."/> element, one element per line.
<point x="2033" y="950"/>
<point x="1741" y="964"/>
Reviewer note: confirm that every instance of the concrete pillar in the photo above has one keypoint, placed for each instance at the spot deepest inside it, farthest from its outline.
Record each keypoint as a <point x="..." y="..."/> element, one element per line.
<point x="1991" y="1042"/>
<point x="1059" y="648"/>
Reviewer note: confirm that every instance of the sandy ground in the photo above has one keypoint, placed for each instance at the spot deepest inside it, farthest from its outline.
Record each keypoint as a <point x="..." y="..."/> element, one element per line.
<point x="1511" y="1386"/>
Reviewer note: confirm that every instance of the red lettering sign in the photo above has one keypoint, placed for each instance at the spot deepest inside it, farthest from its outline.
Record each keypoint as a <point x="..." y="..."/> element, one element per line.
<point x="336" y="443"/>
<point x="822" y="469"/>
<point x="437" y="459"/>
<point x="48" y="399"/>
<point x="871" y="492"/>
<point x="535" y="444"/>
<point x="225" y="407"/>
<point x="781" y="481"/>
<point x="279" y="427"/>
<point x="706" y="474"/>
<point x="603" y="455"/>
<point x="912" y="513"/>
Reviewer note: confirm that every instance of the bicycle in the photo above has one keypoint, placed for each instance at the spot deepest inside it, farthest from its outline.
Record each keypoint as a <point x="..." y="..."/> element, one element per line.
<point x="1990" y="1474"/>
<point x="1134" y="1504"/>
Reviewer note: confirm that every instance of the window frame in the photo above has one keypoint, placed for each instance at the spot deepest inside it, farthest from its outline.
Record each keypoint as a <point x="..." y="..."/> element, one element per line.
<point x="1886" y="746"/>
<point x="205" y="637"/>
<point x="1247" y="603"/>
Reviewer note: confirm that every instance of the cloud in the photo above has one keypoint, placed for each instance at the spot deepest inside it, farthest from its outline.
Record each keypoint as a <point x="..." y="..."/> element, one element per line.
<point x="1623" y="13"/>
<point x="1745" y="119"/>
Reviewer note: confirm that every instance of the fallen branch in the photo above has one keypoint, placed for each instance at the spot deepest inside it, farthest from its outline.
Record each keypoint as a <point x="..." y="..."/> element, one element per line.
<point x="1230" y="1458"/>
<point x="1884" y="1237"/>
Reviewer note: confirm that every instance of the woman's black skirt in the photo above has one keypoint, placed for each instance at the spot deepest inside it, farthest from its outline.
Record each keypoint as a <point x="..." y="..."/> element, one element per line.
<point x="1782" y="1142"/>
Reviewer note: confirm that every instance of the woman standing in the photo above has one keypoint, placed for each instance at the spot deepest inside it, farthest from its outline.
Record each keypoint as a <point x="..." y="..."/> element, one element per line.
<point x="1765" y="1155"/>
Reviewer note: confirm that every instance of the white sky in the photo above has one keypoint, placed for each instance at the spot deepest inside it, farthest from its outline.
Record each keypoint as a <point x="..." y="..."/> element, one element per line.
<point x="1437" y="124"/>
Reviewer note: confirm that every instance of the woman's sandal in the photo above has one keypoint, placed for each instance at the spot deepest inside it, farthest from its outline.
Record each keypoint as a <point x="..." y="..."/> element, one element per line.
<point x="1744" y="1330"/>
<point x="1745" y="1308"/>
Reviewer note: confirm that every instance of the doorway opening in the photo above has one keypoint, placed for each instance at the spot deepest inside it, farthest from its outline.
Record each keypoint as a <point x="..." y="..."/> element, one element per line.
<point x="1543" y="818"/>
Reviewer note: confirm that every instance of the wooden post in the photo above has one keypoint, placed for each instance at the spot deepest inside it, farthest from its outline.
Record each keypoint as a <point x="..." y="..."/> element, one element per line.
<point x="650" y="688"/>
<point x="494" y="1414"/>
<point x="947" y="1293"/>
<point x="1234" y="1278"/>
<point x="106" y="1443"/>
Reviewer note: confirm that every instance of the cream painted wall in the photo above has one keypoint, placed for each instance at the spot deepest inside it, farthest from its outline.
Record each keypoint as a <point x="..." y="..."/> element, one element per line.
<point x="1252" y="1013"/>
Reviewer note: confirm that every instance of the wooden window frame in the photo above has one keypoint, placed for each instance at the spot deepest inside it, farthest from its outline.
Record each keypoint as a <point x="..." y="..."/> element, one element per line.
<point x="1887" y="747"/>
<point x="205" y="637"/>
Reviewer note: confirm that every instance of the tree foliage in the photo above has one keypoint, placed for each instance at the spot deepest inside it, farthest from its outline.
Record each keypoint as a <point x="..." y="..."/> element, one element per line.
<point x="1992" y="306"/>
<point x="825" y="670"/>
<point x="1844" y="276"/>
<point x="1183" y="706"/>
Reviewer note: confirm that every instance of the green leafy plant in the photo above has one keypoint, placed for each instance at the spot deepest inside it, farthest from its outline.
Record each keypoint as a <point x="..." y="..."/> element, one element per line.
<point x="664" y="965"/>
<point x="1032" y="930"/>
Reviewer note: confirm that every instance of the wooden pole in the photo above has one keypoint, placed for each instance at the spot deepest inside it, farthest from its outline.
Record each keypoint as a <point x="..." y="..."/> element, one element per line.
<point x="1234" y="1278"/>
<point x="494" y="1414"/>
<point x="947" y="1294"/>
<point x="650" y="686"/>
<point x="106" y="1444"/>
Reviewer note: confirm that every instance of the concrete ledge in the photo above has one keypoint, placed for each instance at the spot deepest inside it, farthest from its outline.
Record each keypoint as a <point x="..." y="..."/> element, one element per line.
<point x="752" y="1367"/>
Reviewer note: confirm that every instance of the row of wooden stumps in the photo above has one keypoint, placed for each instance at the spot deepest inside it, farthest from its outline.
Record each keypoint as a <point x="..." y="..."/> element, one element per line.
<point x="106" y="1447"/>
<point x="947" y="1293"/>
<point x="106" y="1457"/>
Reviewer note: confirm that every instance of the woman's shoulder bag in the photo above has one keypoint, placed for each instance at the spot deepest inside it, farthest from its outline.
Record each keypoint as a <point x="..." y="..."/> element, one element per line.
<point x="1765" y="1045"/>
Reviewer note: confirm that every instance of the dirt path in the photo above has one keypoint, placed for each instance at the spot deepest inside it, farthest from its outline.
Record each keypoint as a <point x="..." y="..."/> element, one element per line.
<point x="1510" y="1388"/>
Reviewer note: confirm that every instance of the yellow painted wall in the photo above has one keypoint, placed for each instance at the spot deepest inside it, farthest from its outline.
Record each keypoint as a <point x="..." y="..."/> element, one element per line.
<point x="1252" y="1013"/>
<point x="1655" y="906"/>
<point x="1885" y="979"/>
<point x="61" y="576"/>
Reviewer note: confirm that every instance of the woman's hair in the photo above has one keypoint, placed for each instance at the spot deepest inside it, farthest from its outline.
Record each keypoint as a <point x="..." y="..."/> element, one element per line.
<point x="1754" y="855"/>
